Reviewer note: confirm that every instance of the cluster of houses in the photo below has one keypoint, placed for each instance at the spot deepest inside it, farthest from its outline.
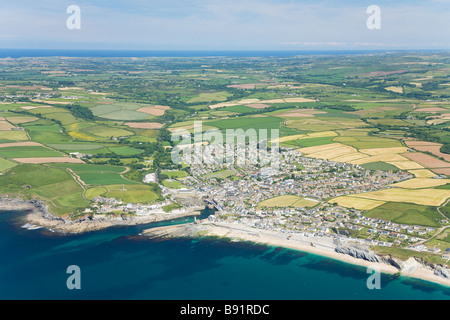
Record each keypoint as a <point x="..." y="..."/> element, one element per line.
<point x="237" y="200"/>
<point x="104" y="205"/>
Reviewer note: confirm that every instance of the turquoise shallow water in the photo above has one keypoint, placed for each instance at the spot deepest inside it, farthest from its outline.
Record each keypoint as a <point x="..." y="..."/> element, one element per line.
<point x="116" y="264"/>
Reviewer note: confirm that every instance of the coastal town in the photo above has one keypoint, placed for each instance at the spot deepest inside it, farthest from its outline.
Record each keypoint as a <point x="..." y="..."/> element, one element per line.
<point x="243" y="196"/>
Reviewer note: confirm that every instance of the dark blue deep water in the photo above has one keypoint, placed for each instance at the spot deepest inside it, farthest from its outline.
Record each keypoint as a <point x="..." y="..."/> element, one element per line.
<point x="117" y="264"/>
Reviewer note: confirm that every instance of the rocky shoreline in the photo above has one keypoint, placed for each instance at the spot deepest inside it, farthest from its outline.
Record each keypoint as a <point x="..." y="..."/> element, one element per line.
<point x="413" y="267"/>
<point x="39" y="216"/>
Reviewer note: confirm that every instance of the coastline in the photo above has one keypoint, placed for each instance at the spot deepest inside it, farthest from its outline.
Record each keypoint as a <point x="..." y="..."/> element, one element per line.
<point x="322" y="247"/>
<point x="39" y="216"/>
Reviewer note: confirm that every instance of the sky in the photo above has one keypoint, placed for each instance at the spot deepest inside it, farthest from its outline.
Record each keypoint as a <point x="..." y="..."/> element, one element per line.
<point x="225" y="25"/>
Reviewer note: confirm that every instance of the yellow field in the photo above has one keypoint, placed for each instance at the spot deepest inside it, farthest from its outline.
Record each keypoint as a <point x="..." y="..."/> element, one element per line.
<point x="5" y="126"/>
<point x="350" y="157"/>
<point x="323" y="134"/>
<point x="421" y="183"/>
<point x="298" y="100"/>
<point x="406" y="165"/>
<point x="382" y="158"/>
<point x="333" y="153"/>
<point x="308" y="136"/>
<point x="426" y="197"/>
<point x="19" y="120"/>
<point x="291" y="138"/>
<point x="321" y="148"/>
<point x="422" y="173"/>
<point x="395" y="89"/>
<point x="287" y="201"/>
<point x="380" y="151"/>
<point x="357" y="203"/>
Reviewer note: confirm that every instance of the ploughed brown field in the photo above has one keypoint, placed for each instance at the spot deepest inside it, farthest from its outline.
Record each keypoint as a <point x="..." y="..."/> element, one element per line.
<point x="20" y="144"/>
<point x="445" y="171"/>
<point x="434" y="148"/>
<point x="48" y="160"/>
<point x="144" y="125"/>
<point x="426" y="160"/>
<point x="155" y="110"/>
<point x="250" y="86"/>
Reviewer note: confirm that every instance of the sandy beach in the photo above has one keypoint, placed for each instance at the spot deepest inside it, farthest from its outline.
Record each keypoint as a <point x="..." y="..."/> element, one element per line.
<point x="319" y="246"/>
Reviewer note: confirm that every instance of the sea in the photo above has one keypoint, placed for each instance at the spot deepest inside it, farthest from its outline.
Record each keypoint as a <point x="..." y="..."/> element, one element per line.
<point x="21" y="53"/>
<point x="120" y="264"/>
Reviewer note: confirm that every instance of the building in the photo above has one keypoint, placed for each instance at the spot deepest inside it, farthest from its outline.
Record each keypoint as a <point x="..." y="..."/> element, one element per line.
<point x="151" y="178"/>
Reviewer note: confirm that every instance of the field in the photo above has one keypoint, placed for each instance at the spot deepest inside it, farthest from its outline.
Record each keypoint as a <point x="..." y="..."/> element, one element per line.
<point x="172" y="184"/>
<point x="210" y="97"/>
<point x="155" y="110"/>
<point x="98" y="174"/>
<point x="382" y="166"/>
<point x="219" y="175"/>
<point x="431" y="147"/>
<point x="74" y="147"/>
<point x="6" y="164"/>
<point x="422" y="173"/>
<point x="53" y="185"/>
<point x="13" y="136"/>
<point x="357" y="203"/>
<point x="48" y="160"/>
<point x="427" y="161"/>
<point x="120" y="111"/>
<point x="427" y="197"/>
<point x="288" y="201"/>
<point x="107" y="132"/>
<point x="28" y="152"/>
<point x="144" y="125"/>
<point x="128" y="194"/>
<point x="175" y="174"/>
<point x="421" y="183"/>
<point x="125" y="151"/>
<point x="5" y="126"/>
<point x="406" y="213"/>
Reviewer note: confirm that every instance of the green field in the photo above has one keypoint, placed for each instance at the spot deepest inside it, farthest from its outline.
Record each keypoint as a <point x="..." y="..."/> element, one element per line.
<point x="6" y="164"/>
<point x="107" y="132"/>
<point x="51" y="133"/>
<point x="120" y="111"/>
<point x="173" y="184"/>
<point x="175" y="174"/>
<point x="304" y="143"/>
<point x="381" y="166"/>
<point x="288" y="201"/>
<point x="102" y="178"/>
<point x="125" y="151"/>
<point x="127" y="194"/>
<point x="53" y="185"/>
<point x="406" y="213"/>
<point x="210" y="97"/>
<point x="28" y="152"/>
<point x="13" y="136"/>
<point x="97" y="174"/>
<point x="74" y="147"/>
<point x="219" y="174"/>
